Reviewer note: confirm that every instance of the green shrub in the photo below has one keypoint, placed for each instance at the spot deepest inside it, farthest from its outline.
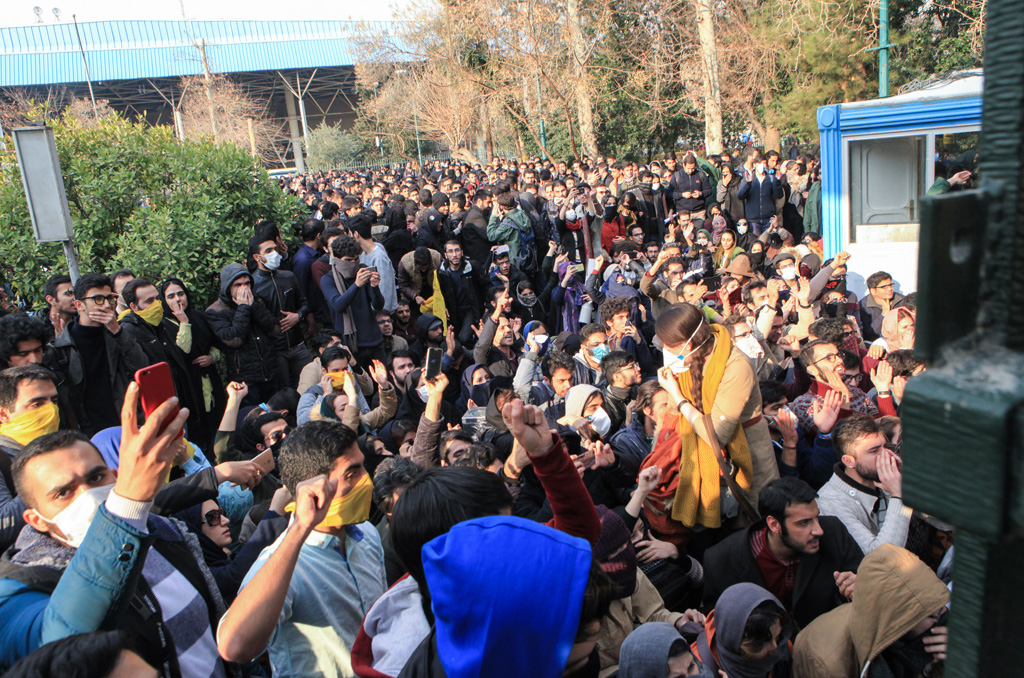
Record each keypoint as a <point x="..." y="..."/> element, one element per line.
<point x="142" y="200"/>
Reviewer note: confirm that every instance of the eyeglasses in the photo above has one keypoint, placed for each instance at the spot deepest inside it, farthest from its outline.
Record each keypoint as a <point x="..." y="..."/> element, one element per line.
<point x="101" y="299"/>
<point x="831" y="357"/>
<point x="887" y="286"/>
<point x="214" y="517"/>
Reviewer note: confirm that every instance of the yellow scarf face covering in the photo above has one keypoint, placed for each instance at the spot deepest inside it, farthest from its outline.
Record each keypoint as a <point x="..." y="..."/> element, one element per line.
<point x="352" y="509"/>
<point x="28" y="426"/>
<point x="337" y="379"/>
<point x="152" y="314"/>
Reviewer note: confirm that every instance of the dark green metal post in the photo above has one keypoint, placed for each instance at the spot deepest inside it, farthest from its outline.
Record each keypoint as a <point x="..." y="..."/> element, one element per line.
<point x="964" y="418"/>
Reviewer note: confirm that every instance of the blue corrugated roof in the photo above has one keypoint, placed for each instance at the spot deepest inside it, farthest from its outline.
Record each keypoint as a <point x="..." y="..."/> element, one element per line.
<point x="46" y="54"/>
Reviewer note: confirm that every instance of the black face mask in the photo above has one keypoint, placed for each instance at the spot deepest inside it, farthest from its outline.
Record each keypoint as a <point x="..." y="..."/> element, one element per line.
<point x="610" y="212"/>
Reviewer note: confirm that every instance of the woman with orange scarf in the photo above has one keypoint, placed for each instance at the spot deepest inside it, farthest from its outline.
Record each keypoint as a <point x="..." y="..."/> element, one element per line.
<point x="898" y="329"/>
<point x="714" y="386"/>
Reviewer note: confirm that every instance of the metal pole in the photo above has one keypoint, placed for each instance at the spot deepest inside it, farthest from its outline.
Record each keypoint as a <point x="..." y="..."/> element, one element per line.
<point x="419" y="150"/>
<point x="85" y="61"/>
<point x="302" y="111"/>
<point x="543" y="136"/>
<point x="72" y="257"/>
<point x="883" y="49"/>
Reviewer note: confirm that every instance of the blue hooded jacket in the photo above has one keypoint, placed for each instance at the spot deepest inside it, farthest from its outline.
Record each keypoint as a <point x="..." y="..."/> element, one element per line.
<point x="506" y="595"/>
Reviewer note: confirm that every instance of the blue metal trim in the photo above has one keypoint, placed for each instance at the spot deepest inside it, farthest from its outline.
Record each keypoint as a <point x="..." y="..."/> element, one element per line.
<point x="123" y="50"/>
<point x="839" y="121"/>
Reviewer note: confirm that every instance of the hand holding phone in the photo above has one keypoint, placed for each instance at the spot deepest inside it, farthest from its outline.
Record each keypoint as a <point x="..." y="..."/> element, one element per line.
<point x="434" y="356"/>
<point x="156" y="386"/>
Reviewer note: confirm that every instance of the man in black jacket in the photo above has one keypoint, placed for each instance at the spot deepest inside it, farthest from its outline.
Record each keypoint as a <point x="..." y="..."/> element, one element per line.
<point x="93" y="359"/>
<point x="469" y="280"/>
<point x="246" y="328"/>
<point x="283" y="296"/>
<point x="474" y="228"/>
<point x="808" y="562"/>
<point x="690" y="189"/>
<point x="434" y="229"/>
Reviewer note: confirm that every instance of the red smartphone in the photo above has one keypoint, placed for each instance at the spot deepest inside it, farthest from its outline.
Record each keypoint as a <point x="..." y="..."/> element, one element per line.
<point x="155" y="387"/>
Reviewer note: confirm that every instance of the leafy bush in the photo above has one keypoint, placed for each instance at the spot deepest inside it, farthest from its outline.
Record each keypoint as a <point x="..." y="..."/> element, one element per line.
<point x="140" y="199"/>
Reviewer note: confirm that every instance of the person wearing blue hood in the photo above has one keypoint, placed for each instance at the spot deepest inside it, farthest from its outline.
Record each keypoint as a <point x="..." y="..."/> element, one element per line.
<point x="479" y="628"/>
<point x="246" y="328"/>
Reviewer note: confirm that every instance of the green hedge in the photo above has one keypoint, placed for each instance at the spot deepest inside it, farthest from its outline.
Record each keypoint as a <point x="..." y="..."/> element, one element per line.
<point x="141" y="199"/>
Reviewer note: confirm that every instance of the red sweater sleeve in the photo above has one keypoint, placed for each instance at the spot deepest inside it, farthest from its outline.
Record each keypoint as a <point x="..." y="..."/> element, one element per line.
<point x="570" y="502"/>
<point x="886" y="406"/>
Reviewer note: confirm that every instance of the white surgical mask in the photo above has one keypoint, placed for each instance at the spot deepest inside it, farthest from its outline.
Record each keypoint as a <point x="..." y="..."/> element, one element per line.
<point x="677" y="363"/>
<point x="750" y="347"/>
<point x="600" y="421"/>
<point x="272" y="260"/>
<point x="702" y="241"/>
<point x="541" y="339"/>
<point x="76" y="517"/>
<point x="424" y="393"/>
<point x="741" y="229"/>
<point x="655" y="186"/>
<point x="570" y="215"/>
<point x="788" y="273"/>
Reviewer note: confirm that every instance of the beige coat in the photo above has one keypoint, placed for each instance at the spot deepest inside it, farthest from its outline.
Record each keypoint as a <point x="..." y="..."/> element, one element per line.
<point x="739" y="401"/>
<point x="645" y="605"/>
<point x="894" y="591"/>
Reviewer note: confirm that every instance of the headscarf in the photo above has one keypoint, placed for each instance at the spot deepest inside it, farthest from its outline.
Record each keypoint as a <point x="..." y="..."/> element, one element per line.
<point x="894" y="341"/>
<point x="203" y="338"/>
<point x="193" y="518"/>
<point x="467" y="389"/>
<point x="615" y="284"/>
<point x="573" y="299"/>
<point x="723" y="632"/>
<point x="645" y="652"/>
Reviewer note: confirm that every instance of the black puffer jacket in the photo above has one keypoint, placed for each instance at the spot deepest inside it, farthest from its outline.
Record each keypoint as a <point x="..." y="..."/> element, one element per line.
<point x="246" y="331"/>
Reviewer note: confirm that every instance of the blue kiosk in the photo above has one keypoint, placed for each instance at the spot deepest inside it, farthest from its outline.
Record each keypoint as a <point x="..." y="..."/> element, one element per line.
<point x="880" y="157"/>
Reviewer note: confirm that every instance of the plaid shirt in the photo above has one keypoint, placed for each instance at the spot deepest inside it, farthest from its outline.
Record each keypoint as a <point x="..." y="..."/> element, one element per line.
<point x="860" y="403"/>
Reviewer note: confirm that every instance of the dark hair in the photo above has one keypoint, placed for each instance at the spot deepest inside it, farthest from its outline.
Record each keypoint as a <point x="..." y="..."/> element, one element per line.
<point x="83" y="655"/>
<point x="12" y="378"/>
<point x="479" y="455"/>
<point x="435" y="502"/>
<point x="16" y="328"/>
<point x="748" y="290"/>
<point x="312" y="449"/>
<point x="910" y="302"/>
<point x="612" y="306"/>
<point x="481" y="194"/>
<point x="121" y="273"/>
<point x="876" y="279"/>
<point x="346" y="246"/>
<point x="423" y="257"/>
<point x="758" y="630"/>
<point x="677" y="324"/>
<point x="394" y="473"/>
<point x="51" y="442"/>
<point x="91" y="281"/>
<point x="613" y="362"/>
<point x="334" y="353"/>
<point x="829" y="329"/>
<point x="772" y="391"/>
<point x="557" y="360"/>
<point x="311" y="228"/>
<point x="850" y="359"/>
<point x="782" y="493"/>
<point x="506" y="200"/>
<point x="284" y="399"/>
<point x="903" y="362"/>
<point x="361" y="225"/>
<point x="589" y="330"/>
<point x="807" y="352"/>
<point x="130" y="291"/>
<point x="645" y="396"/>
<point x="332" y="232"/>
<point x="400" y="353"/>
<point x="597" y="599"/>
<point x="850" y="430"/>
<point x="53" y="282"/>
<point x="328" y="208"/>
<point x="324" y="337"/>
<point x="254" y="422"/>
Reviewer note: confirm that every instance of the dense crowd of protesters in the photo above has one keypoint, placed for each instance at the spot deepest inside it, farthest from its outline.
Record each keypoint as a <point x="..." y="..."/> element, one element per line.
<point x="516" y="419"/>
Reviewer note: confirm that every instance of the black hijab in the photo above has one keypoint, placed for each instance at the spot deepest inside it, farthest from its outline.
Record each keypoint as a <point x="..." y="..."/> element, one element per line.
<point x="203" y="338"/>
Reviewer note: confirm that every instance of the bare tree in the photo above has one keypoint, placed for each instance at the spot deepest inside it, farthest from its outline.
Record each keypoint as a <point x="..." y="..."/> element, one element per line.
<point x="221" y="109"/>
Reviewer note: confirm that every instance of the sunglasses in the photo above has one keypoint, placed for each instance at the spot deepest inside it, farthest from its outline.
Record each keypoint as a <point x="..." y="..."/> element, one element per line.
<point x="214" y="517"/>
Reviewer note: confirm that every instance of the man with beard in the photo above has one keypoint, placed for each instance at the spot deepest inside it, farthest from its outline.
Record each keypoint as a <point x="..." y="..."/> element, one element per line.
<point x="404" y="326"/>
<point x="467" y="278"/>
<point x="865" y="492"/>
<point x="807" y="561"/>
<point x="824" y="364"/>
<point x="495" y="347"/>
<point x="653" y="210"/>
